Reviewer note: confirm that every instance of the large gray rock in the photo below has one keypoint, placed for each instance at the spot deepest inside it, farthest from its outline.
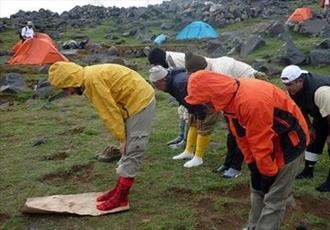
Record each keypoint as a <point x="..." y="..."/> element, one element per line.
<point x="275" y="29"/>
<point x="253" y="43"/>
<point x="292" y="55"/>
<point x="324" y="44"/>
<point x="13" y="83"/>
<point x="325" y="33"/>
<point x="312" y="27"/>
<point x="320" y="56"/>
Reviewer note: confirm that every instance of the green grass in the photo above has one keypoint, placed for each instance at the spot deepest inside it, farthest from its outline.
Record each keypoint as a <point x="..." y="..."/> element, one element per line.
<point x="165" y="196"/>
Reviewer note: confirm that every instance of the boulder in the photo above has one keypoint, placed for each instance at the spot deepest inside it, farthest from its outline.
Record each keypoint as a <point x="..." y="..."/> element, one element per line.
<point x="292" y="55"/>
<point x="253" y="43"/>
<point x="320" y="56"/>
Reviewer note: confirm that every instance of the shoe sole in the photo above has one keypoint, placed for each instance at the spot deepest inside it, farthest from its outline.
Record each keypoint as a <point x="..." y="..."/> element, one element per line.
<point x="119" y="209"/>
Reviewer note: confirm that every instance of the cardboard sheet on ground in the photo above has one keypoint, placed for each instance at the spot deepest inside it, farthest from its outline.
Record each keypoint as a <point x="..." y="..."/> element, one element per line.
<point x="80" y="204"/>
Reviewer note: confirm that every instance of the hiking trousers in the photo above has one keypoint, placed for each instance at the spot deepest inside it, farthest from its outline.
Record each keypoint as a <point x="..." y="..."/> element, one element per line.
<point x="267" y="210"/>
<point x="138" y="128"/>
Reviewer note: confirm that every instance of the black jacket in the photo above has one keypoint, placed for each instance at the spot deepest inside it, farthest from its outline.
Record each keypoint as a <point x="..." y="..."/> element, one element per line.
<point x="177" y="81"/>
<point x="305" y="97"/>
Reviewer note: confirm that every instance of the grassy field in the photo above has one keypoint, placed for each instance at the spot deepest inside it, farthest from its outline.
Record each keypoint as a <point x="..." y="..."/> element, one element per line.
<point x="165" y="196"/>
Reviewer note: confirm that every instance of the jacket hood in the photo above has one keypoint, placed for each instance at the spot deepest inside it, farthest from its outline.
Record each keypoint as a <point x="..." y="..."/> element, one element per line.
<point x="65" y="74"/>
<point x="206" y="87"/>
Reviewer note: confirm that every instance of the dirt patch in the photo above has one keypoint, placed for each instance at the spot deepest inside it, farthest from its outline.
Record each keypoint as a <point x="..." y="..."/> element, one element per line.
<point x="75" y="130"/>
<point x="307" y="205"/>
<point x="210" y="218"/>
<point x="4" y="217"/>
<point x="180" y="194"/>
<point x="77" y="174"/>
<point x="7" y="99"/>
<point x="57" y="156"/>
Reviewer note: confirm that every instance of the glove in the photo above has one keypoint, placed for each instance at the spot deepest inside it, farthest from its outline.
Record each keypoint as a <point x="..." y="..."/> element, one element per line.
<point x="266" y="182"/>
<point x="255" y="176"/>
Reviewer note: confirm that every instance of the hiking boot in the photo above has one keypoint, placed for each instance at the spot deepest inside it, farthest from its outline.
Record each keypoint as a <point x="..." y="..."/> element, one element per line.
<point x="184" y="155"/>
<point x="119" y="200"/>
<point x="196" y="161"/>
<point x="111" y="153"/>
<point x="177" y="145"/>
<point x="325" y="187"/>
<point x="307" y="173"/>
<point x="220" y="169"/>
<point x="231" y="173"/>
<point x="175" y="141"/>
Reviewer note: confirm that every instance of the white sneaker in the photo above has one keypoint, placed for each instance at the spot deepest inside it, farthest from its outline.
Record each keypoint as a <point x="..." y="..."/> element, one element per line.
<point x="196" y="161"/>
<point x="184" y="155"/>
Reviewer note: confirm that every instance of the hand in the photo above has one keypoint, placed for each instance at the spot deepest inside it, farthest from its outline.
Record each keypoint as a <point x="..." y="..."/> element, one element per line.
<point x="312" y="134"/>
<point x="266" y="182"/>
<point x="122" y="147"/>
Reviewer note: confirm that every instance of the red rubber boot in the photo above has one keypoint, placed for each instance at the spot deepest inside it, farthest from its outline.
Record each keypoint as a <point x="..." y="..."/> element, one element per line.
<point x="106" y="196"/>
<point x="119" y="200"/>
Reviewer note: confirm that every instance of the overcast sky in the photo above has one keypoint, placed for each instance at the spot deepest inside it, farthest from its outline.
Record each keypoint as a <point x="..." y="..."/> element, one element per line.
<point x="9" y="7"/>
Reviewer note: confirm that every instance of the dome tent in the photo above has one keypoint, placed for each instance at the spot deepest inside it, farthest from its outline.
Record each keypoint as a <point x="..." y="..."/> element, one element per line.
<point x="37" y="50"/>
<point x="197" y="30"/>
<point x="300" y="15"/>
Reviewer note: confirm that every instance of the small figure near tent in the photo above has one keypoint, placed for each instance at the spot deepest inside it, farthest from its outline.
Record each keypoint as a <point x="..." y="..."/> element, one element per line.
<point x="325" y="4"/>
<point x="27" y="31"/>
<point x="126" y="103"/>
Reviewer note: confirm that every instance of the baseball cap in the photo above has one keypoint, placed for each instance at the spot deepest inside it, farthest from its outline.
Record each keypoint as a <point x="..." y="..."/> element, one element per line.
<point x="291" y="73"/>
<point x="157" y="73"/>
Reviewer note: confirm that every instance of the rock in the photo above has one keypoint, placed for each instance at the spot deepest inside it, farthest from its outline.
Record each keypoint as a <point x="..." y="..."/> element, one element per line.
<point x="312" y="27"/>
<point x="113" y="51"/>
<point x="253" y="43"/>
<point x="320" y="56"/>
<point x="324" y="44"/>
<point x="325" y="33"/>
<point x="13" y="83"/>
<point x="39" y="141"/>
<point x="292" y="55"/>
<point x="275" y="29"/>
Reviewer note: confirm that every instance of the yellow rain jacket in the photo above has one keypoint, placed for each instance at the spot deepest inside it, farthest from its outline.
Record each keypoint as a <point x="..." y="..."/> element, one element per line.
<point x="116" y="92"/>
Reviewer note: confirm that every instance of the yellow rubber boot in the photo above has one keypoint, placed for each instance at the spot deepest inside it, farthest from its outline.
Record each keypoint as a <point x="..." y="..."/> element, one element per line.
<point x="188" y="153"/>
<point x="201" y="146"/>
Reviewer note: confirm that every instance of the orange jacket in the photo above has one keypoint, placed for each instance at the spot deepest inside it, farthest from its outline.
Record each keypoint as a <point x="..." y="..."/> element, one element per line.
<point x="269" y="126"/>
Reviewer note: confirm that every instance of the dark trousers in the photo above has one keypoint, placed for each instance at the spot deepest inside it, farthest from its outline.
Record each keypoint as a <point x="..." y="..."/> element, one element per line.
<point x="321" y="132"/>
<point x="234" y="157"/>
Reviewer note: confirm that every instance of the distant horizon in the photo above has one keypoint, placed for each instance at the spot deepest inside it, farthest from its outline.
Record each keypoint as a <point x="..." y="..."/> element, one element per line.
<point x="10" y="7"/>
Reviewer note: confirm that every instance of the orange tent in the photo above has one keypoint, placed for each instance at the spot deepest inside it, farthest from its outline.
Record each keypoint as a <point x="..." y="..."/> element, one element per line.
<point x="300" y="15"/>
<point x="37" y="50"/>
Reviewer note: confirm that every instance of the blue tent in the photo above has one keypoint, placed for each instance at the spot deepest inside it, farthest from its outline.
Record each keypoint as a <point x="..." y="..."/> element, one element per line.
<point x="160" y="39"/>
<point x="197" y="30"/>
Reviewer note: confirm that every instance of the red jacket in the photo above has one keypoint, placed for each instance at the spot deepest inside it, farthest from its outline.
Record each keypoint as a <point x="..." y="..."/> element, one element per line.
<point x="269" y="126"/>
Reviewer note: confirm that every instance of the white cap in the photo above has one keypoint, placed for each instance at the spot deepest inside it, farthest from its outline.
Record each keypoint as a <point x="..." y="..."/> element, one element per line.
<point x="291" y="73"/>
<point x="157" y="73"/>
<point x="29" y="23"/>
